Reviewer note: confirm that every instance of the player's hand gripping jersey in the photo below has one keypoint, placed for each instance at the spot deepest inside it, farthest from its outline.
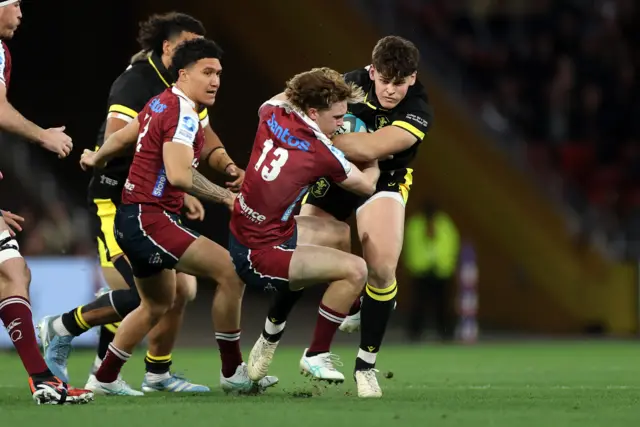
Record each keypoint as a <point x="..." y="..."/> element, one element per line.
<point x="289" y="154"/>
<point x="171" y="116"/>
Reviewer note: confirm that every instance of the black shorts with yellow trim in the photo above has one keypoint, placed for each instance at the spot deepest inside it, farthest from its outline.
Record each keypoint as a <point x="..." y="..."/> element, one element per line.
<point x="103" y="212"/>
<point x="341" y="203"/>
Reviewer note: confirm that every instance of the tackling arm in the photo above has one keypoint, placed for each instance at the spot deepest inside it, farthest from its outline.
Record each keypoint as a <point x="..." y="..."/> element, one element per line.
<point x="364" y="147"/>
<point x="177" y="159"/>
<point x="362" y="182"/>
<point x="118" y="143"/>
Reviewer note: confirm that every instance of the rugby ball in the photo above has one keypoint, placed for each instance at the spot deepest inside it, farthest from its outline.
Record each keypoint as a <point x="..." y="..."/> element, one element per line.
<point x="351" y="124"/>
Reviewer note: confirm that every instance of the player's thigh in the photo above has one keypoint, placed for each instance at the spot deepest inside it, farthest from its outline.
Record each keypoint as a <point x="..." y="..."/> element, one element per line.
<point x="313" y="265"/>
<point x="15" y="276"/>
<point x="323" y="231"/>
<point x="381" y="231"/>
<point x="206" y="258"/>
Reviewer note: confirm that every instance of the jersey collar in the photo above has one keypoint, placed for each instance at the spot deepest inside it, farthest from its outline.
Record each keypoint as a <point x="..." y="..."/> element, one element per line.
<point x="182" y="95"/>
<point x="161" y="70"/>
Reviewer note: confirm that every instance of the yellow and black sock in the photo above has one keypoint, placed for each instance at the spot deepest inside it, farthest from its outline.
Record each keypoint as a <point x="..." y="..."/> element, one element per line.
<point x="157" y="364"/>
<point x="74" y="322"/>
<point x="377" y="305"/>
<point x="107" y="333"/>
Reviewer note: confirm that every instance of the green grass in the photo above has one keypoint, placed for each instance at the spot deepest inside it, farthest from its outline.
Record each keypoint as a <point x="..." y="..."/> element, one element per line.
<point x="531" y="384"/>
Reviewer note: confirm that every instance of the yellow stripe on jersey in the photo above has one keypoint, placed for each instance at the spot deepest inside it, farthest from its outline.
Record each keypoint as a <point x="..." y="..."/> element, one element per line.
<point x="411" y="128"/>
<point x="203" y="114"/>
<point x="117" y="108"/>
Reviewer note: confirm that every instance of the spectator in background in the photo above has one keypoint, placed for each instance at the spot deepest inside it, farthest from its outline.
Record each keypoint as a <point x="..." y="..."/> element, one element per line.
<point x="432" y="245"/>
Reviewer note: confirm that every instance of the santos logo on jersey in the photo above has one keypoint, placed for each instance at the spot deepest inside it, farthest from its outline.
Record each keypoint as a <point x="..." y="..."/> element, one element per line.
<point x="283" y="135"/>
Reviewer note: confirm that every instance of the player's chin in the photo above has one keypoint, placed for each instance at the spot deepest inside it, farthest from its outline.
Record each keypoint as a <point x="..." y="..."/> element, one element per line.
<point x="8" y="33"/>
<point x="209" y="99"/>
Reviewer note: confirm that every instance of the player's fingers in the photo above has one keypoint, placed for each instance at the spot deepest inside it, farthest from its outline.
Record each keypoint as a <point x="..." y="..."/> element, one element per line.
<point x="14" y="217"/>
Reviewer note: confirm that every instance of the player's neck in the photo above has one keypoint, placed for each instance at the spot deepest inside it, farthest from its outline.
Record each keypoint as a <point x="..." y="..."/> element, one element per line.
<point x="185" y="92"/>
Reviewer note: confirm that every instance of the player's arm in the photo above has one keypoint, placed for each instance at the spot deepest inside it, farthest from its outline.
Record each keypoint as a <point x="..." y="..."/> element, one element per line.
<point x="364" y="147"/>
<point x="406" y="129"/>
<point x="126" y="99"/>
<point x="347" y="175"/>
<point x="12" y="121"/>
<point x="177" y="157"/>
<point x="215" y="156"/>
<point x="362" y="182"/>
<point x="116" y="145"/>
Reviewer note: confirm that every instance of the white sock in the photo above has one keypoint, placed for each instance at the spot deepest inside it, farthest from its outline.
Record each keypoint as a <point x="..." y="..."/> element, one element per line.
<point x="58" y="326"/>
<point x="370" y="358"/>
<point x="155" y="378"/>
<point x="272" y="329"/>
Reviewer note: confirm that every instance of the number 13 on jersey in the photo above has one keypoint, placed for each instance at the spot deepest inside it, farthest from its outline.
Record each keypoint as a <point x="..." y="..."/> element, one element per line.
<point x="271" y="172"/>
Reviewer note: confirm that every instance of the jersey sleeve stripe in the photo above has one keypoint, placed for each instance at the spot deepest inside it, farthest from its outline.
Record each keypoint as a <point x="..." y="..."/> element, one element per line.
<point x="120" y="116"/>
<point x="117" y="108"/>
<point x="409" y="127"/>
<point x="203" y="114"/>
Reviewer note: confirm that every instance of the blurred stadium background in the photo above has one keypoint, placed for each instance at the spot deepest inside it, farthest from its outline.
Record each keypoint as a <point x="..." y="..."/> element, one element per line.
<point x="534" y="155"/>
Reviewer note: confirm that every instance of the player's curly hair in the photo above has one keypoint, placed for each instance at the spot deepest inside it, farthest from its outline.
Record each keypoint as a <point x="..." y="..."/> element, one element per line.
<point x="320" y="88"/>
<point x="191" y="51"/>
<point x="395" y="57"/>
<point x="160" y="27"/>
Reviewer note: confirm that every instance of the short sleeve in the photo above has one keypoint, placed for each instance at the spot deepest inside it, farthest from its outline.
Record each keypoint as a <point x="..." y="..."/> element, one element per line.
<point x="126" y="98"/>
<point x="182" y="124"/>
<point x="337" y="165"/>
<point x="415" y="119"/>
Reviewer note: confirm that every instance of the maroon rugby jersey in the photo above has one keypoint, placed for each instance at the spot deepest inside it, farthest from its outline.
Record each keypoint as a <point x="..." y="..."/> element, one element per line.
<point x="289" y="154"/>
<point x="170" y="117"/>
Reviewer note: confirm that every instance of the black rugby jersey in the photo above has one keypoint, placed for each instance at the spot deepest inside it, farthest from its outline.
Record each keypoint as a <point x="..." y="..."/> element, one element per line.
<point x="145" y="78"/>
<point x="413" y="114"/>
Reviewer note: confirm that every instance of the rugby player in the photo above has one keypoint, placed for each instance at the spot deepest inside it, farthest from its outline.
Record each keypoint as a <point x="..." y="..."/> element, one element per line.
<point x="147" y="76"/>
<point x="170" y="141"/>
<point x="396" y="110"/>
<point x="15" y="277"/>
<point x="272" y="249"/>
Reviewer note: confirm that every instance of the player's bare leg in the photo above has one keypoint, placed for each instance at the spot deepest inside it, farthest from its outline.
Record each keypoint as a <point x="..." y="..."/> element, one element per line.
<point x="312" y="264"/>
<point x="312" y="230"/>
<point x="15" y="313"/>
<point x="205" y="258"/>
<point x="381" y="231"/>
<point x="157" y="295"/>
<point x="162" y="339"/>
<point x="352" y="321"/>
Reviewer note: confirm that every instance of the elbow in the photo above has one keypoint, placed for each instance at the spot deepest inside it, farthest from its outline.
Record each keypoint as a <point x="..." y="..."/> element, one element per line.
<point x="371" y="188"/>
<point x="178" y="180"/>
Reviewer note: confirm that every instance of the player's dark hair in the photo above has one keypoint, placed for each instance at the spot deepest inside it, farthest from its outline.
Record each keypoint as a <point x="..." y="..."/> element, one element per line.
<point x="160" y="27"/>
<point x="320" y="88"/>
<point x="395" y="58"/>
<point x="191" y="51"/>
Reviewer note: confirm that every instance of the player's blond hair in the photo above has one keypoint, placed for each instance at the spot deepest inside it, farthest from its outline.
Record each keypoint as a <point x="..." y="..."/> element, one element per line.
<point x="320" y="88"/>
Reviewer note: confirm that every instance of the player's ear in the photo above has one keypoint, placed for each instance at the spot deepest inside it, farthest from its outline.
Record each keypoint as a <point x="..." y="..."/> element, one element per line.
<point x="312" y="113"/>
<point x="166" y="48"/>
<point x="372" y="72"/>
<point x="412" y="78"/>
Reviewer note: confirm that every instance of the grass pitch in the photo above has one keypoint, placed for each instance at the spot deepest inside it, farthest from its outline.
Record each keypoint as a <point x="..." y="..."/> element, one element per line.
<point x="530" y="384"/>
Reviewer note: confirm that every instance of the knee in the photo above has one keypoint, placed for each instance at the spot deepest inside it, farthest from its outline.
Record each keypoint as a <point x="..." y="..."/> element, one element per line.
<point x="155" y="309"/>
<point x="187" y="288"/>
<point x="358" y="274"/>
<point x="382" y="274"/>
<point x="15" y="277"/>
<point x="229" y="282"/>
